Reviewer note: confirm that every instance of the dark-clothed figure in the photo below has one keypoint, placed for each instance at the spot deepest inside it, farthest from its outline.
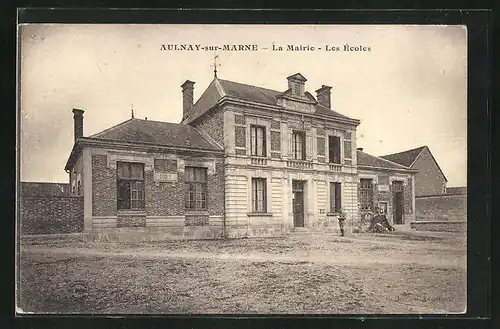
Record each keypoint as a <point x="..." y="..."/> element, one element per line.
<point x="379" y="223"/>
<point x="342" y="218"/>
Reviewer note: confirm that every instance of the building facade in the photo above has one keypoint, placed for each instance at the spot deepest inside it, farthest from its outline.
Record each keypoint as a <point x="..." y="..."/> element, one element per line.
<point x="429" y="178"/>
<point x="245" y="161"/>
<point x="387" y="186"/>
<point x="149" y="176"/>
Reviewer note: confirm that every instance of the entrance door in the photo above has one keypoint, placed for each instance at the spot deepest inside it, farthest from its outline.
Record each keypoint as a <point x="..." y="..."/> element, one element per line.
<point x="298" y="203"/>
<point x="398" y="202"/>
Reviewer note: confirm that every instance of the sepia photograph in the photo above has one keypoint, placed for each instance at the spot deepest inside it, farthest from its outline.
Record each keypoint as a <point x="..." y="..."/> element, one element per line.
<point x="242" y="169"/>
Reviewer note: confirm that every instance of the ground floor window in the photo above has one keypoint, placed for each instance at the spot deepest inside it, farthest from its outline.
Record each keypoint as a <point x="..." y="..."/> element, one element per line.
<point x="195" y="188"/>
<point x="335" y="197"/>
<point x="130" y="185"/>
<point x="383" y="207"/>
<point x="366" y="194"/>
<point x="259" y="203"/>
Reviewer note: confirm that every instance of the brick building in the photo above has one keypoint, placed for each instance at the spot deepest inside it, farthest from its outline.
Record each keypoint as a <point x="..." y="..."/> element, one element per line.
<point x="429" y="179"/>
<point x="386" y="185"/>
<point x="244" y="161"/>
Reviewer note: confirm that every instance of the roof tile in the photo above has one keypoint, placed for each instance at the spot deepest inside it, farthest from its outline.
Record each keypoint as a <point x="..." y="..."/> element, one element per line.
<point x="247" y="93"/>
<point x="405" y="158"/>
<point x="365" y="159"/>
<point x="156" y="132"/>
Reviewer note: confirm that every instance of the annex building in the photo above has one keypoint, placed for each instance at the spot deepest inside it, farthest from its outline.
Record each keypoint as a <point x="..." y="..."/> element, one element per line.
<point x="245" y="161"/>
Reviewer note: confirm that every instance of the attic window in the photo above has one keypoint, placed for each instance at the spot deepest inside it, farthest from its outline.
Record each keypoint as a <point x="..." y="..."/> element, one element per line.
<point x="297" y="88"/>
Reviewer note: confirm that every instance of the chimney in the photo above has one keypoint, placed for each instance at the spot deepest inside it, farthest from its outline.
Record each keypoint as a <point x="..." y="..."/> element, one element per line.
<point x="323" y="96"/>
<point x="360" y="149"/>
<point x="296" y="83"/>
<point x="78" y="123"/>
<point x="187" y="98"/>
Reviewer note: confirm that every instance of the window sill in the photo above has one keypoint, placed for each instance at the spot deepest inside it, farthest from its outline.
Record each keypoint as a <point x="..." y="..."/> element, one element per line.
<point x="196" y="212"/>
<point x="135" y="212"/>
<point x="259" y="214"/>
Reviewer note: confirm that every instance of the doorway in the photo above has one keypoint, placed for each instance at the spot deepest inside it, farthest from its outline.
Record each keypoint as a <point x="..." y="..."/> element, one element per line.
<point x="298" y="203"/>
<point x="398" y="202"/>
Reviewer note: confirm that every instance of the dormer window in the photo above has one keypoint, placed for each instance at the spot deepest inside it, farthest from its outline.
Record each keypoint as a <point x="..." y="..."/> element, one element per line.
<point x="296" y="83"/>
<point x="298" y="89"/>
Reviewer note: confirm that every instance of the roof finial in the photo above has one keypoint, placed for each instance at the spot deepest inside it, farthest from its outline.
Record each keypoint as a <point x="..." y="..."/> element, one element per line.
<point x="215" y="65"/>
<point x="132" y="110"/>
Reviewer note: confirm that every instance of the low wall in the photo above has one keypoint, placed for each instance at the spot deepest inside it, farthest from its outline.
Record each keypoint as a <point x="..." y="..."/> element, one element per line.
<point x="441" y="207"/>
<point x="51" y="214"/>
<point x="44" y="189"/>
<point x="441" y="226"/>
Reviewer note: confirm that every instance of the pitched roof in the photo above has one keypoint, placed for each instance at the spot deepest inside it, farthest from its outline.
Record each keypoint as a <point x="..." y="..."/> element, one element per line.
<point x="365" y="159"/>
<point x="219" y="88"/>
<point x="249" y="92"/>
<point x="298" y="76"/>
<point x="405" y="158"/>
<point x="156" y="132"/>
<point x="207" y="100"/>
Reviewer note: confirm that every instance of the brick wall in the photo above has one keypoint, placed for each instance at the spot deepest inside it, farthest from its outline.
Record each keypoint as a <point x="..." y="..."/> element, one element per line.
<point x="440" y="226"/>
<point x="320" y="146"/>
<point x="103" y="187"/>
<point x="131" y="220"/>
<point x="387" y="196"/>
<point x="51" y="214"/>
<point x="42" y="189"/>
<point x="429" y="180"/>
<point x="196" y="220"/>
<point x="443" y="207"/>
<point x="347" y="149"/>
<point x="216" y="190"/>
<point x="213" y="125"/>
<point x="240" y="136"/>
<point x="164" y="199"/>
<point x="161" y="198"/>
<point x="275" y="141"/>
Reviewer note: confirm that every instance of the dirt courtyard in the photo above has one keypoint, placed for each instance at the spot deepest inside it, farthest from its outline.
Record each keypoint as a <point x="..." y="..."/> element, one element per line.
<point x="298" y="274"/>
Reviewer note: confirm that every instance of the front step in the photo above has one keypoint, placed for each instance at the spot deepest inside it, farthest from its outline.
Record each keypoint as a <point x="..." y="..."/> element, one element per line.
<point x="303" y="229"/>
<point x="315" y="230"/>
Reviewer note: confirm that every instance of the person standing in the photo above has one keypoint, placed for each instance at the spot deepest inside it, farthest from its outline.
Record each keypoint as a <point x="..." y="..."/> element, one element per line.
<point x="342" y="219"/>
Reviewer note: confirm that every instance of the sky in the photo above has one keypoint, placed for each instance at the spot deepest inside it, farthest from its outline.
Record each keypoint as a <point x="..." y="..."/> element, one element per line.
<point x="409" y="90"/>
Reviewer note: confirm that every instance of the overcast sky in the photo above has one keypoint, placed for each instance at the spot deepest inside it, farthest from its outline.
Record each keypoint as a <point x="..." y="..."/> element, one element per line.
<point x="408" y="91"/>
